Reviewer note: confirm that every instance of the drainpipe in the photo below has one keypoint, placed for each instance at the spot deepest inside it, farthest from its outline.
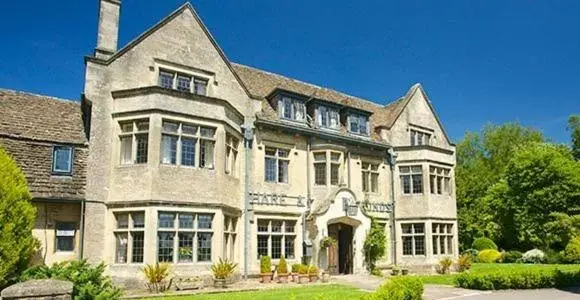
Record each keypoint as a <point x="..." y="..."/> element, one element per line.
<point x="248" y="139"/>
<point x="308" y="194"/>
<point x="392" y="156"/>
<point x="348" y="169"/>
<point x="82" y="231"/>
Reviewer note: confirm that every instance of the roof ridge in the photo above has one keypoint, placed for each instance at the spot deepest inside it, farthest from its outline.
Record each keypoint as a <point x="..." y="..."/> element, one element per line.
<point x="309" y="84"/>
<point x="39" y="95"/>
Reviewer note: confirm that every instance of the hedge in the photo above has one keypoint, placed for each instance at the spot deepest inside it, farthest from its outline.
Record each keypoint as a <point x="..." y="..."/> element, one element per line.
<point x="518" y="279"/>
<point x="398" y="288"/>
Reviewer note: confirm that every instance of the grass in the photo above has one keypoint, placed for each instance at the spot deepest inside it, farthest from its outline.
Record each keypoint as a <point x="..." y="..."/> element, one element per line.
<point x="492" y="268"/>
<point x="334" y="292"/>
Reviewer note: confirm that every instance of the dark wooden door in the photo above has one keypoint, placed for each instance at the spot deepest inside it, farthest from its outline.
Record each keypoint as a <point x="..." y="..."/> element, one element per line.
<point x="332" y="251"/>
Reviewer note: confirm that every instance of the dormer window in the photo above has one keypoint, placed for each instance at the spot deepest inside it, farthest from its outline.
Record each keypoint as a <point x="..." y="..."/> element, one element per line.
<point x="327" y="117"/>
<point x="183" y="82"/>
<point x="291" y="109"/>
<point x="358" y="124"/>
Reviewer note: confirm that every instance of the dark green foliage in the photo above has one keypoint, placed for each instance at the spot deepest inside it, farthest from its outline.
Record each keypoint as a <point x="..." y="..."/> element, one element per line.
<point x="375" y="245"/>
<point x="574" y="127"/>
<point x="17" y="216"/>
<point x="89" y="282"/>
<point x="561" y="229"/>
<point x="512" y="257"/>
<point x="518" y="279"/>
<point x="554" y="257"/>
<point x="572" y="252"/>
<point x="398" y="288"/>
<point x="483" y="243"/>
<point x="472" y="253"/>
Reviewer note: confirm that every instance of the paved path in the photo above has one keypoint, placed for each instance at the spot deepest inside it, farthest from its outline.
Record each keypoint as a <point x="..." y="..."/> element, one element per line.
<point x="442" y="292"/>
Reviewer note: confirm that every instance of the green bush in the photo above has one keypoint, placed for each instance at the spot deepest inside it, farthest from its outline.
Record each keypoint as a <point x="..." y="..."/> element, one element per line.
<point x="88" y="281"/>
<point x="398" y="288"/>
<point x="488" y="256"/>
<point x="572" y="251"/>
<point x="534" y="256"/>
<point x="295" y="268"/>
<point x="375" y="245"/>
<point x="511" y="257"/>
<point x="282" y="266"/>
<point x="17" y="217"/>
<point x="483" y="243"/>
<point x="554" y="257"/>
<point x="265" y="264"/>
<point x="518" y="279"/>
<point x="472" y="253"/>
<point x="464" y="262"/>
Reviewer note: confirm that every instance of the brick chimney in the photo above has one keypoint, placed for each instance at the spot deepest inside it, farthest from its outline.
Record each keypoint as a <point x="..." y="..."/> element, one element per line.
<point x="108" y="28"/>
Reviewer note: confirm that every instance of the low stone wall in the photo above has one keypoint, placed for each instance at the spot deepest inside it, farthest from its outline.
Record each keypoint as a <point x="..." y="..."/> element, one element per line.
<point x="40" y="289"/>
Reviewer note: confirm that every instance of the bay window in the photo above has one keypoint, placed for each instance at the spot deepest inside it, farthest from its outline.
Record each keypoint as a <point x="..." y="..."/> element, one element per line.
<point x="413" y="236"/>
<point x="411" y="179"/>
<point x="231" y="154"/>
<point x="442" y="234"/>
<point x="129" y="237"/>
<point x="134" y="141"/>
<point x="439" y="180"/>
<point x="181" y="143"/>
<point x="184" y="237"/>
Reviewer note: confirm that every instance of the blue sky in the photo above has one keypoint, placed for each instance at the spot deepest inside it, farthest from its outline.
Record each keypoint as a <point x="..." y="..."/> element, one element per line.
<point x="480" y="61"/>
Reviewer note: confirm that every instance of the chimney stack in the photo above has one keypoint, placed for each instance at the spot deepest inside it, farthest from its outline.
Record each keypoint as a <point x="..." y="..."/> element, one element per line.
<point x="108" y="28"/>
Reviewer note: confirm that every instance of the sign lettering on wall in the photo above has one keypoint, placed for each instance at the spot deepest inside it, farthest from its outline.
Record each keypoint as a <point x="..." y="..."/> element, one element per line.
<point x="276" y="199"/>
<point x="380" y="207"/>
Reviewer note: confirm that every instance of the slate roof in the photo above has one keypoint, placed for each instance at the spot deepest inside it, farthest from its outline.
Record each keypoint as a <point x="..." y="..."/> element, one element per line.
<point x="43" y="118"/>
<point x="262" y="83"/>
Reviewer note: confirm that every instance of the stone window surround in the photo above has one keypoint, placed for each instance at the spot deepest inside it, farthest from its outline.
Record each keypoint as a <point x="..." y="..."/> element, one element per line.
<point x="352" y="116"/>
<point x="198" y="137"/>
<point x="368" y="173"/>
<point x="283" y="233"/>
<point x="329" y="163"/>
<point x="230" y="236"/>
<point x="413" y="235"/>
<point x="410" y="174"/>
<point x="439" y="180"/>
<point x="232" y="154"/>
<point x="277" y="157"/>
<point x="172" y="67"/>
<point x="176" y="230"/>
<point x="57" y="236"/>
<point x="129" y="231"/>
<point x="330" y="112"/>
<point x="297" y="113"/>
<point x="447" y="235"/>
<point x="133" y="134"/>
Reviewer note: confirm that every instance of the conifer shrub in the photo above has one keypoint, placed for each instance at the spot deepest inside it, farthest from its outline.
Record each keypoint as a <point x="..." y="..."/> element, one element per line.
<point x="483" y="243"/>
<point x="17" y="216"/>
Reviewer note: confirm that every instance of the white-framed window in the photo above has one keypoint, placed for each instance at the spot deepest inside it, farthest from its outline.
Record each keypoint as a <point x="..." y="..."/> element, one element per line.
<point x="231" y="154"/>
<point x="276" y="238"/>
<point x="419" y="138"/>
<point x="411" y="179"/>
<point x="291" y="108"/>
<point x="440" y="180"/>
<point x="184" y="237"/>
<point x="442" y="234"/>
<point x="370" y="177"/>
<point x="327" y="166"/>
<point x="413" y="236"/>
<point x="230" y="235"/>
<point x="62" y="157"/>
<point x="182" y="142"/>
<point x="65" y="236"/>
<point x="129" y="237"/>
<point x="183" y="82"/>
<point x="327" y="117"/>
<point x="358" y="124"/>
<point x="276" y="162"/>
<point x="134" y="141"/>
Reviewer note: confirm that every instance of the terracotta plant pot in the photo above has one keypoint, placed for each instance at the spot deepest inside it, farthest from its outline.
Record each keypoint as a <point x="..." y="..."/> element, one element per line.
<point x="303" y="279"/>
<point x="219" y="283"/>
<point x="266" y="277"/>
<point x="313" y="277"/>
<point x="296" y="278"/>
<point x="325" y="277"/>
<point x="283" y="278"/>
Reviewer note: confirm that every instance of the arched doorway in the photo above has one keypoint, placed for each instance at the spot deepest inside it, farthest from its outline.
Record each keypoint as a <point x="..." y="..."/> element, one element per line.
<point x="341" y="255"/>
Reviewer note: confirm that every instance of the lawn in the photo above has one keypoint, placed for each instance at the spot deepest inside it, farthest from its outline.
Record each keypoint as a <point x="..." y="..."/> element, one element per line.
<point x="334" y="292"/>
<point x="491" y="268"/>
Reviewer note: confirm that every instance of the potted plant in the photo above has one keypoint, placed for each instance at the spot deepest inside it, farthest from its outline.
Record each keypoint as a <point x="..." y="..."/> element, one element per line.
<point x="295" y="268"/>
<point x="282" y="270"/>
<point x="303" y="274"/>
<point x="395" y="270"/>
<point x="327" y="241"/>
<point x="404" y="271"/>
<point x="265" y="268"/>
<point x="313" y="273"/>
<point x="221" y="271"/>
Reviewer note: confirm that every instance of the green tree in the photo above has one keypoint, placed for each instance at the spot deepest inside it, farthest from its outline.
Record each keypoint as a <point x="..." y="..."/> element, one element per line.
<point x="561" y="230"/>
<point x="574" y="126"/>
<point x="17" y="217"/>
<point x="375" y="245"/>
<point x="539" y="178"/>
<point x="481" y="162"/>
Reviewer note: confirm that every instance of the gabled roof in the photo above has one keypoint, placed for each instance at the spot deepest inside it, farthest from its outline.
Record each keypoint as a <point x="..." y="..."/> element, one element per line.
<point x="160" y="24"/>
<point x="42" y="118"/>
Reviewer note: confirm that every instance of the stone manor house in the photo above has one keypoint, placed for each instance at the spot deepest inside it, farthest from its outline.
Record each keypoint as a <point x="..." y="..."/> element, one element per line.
<point x="176" y="154"/>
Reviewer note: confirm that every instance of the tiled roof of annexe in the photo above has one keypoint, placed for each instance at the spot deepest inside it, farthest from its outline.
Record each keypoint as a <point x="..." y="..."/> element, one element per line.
<point x="43" y="118"/>
<point x="262" y="83"/>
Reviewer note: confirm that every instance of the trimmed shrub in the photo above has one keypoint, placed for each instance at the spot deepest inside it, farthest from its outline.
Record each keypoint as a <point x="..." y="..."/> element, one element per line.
<point x="17" y="217"/>
<point x="534" y="256"/>
<point x="511" y="257"/>
<point x="295" y="268"/>
<point x="572" y="252"/>
<point x="471" y="252"/>
<point x="488" y="256"/>
<point x="518" y="279"/>
<point x="265" y="264"/>
<point x="464" y="262"/>
<point x="483" y="243"/>
<point x="282" y="266"/>
<point x="88" y="281"/>
<point x="398" y="288"/>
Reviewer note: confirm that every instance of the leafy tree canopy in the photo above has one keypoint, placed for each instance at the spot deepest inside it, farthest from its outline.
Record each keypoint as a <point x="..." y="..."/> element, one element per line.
<point x="574" y="127"/>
